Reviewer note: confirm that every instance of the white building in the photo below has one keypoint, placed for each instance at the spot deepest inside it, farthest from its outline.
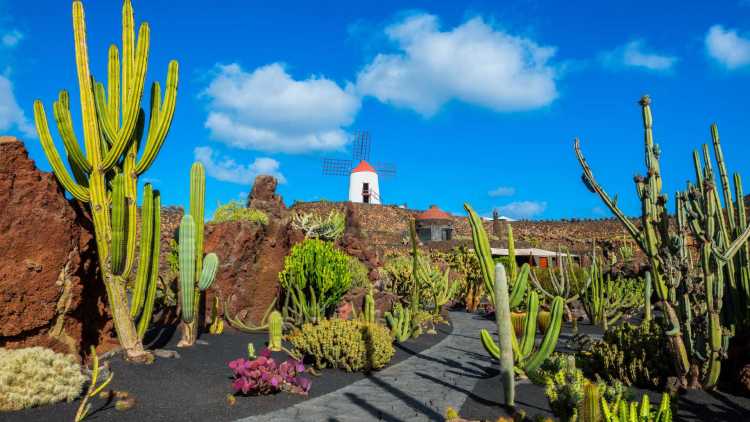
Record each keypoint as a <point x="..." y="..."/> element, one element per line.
<point x="363" y="184"/>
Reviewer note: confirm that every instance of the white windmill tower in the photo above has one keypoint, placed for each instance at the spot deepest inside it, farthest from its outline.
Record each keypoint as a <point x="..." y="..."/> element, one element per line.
<point x="364" y="185"/>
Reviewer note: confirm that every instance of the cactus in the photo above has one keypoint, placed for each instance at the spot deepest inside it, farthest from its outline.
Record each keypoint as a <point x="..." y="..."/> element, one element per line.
<point x="692" y="299"/>
<point x="368" y="312"/>
<point x="526" y="358"/>
<point x="590" y="408"/>
<point x="274" y="331"/>
<point x="401" y="323"/>
<point x="502" y="317"/>
<point x="518" y="279"/>
<point x="564" y="282"/>
<point x="606" y="300"/>
<point x="94" y="388"/>
<point x="113" y="127"/>
<point x="647" y="292"/>
<point x="197" y="273"/>
<point x="217" y="322"/>
<point x="245" y="327"/>
<point x="623" y="411"/>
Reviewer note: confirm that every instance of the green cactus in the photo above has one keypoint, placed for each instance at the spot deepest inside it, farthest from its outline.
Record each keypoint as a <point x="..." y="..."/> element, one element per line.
<point x="368" y="312"/>
<point x="526" y="358"/>
<point x="590" y="407"/>
<point x="564" y="282"/>
<point x="623" y="411"/>
<point x="274" y="331"/>
<point x="606" y="300"/>
<point x="148" y="266"/>
<point x="400" y="320"/>
<point x="505" y="331"/>
<point x="113" y="128"/>
<point x="197" y="273"/>
<point x="518" y="279"/>
<point x="692" y="299"/>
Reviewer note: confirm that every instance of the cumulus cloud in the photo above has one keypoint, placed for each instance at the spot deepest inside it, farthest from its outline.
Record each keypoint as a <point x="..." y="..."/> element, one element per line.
<point x="267" y="110"/>
<point x="11" y="115"/>
<point x="12" y="38"/>
<point x="522" y="209"/>
<point x="473" y="62"/>
<point x="728" y="47"/>
<point x="636" y="54"/>
<point x="502" y="191"/>
<point x="227" y="170"/>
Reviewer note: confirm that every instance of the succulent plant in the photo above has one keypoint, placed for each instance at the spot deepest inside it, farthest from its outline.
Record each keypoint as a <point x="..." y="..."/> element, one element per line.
<point x="262" y="376"/>
<point x="37" y="376"/>
<point x="352" y="345"/>
<point x="274" y="331"/>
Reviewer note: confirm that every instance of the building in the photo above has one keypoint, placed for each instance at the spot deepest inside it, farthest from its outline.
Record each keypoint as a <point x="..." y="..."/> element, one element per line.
<point x="535" y="257"/>
<point x="434" y="225"/>
<point x="363" y="184"/>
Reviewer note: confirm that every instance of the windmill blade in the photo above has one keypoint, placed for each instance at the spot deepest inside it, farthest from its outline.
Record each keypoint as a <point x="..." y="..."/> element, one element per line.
<point x="361" y="146"/>
<point x="385" y="170"/>
<point x="336" y="167"/>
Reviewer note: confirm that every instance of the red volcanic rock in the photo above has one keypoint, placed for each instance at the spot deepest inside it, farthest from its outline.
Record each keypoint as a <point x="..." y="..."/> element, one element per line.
<point x="263" y="196"/>
<point x="49" y="280"/>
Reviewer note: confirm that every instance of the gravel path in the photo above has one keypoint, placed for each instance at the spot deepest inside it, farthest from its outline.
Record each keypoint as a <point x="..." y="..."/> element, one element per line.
<point x="417" y="389"/>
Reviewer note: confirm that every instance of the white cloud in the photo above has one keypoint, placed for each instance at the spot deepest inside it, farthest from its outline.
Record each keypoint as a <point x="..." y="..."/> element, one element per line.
<point x="11" y="115"/>
<point x="728" y="47"/>
<point x="636" y="54"/>
<point x="473" y="62"/>
<point x="227" y="170"/>
<point x="267" y="110"/>
<point x="502" y="191"/>
<point x="12" y="38"/>
<point x="522" y="209"/>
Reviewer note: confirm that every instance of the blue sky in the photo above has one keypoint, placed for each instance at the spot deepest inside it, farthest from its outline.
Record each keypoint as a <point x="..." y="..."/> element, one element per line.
<point x="478" y="102"/>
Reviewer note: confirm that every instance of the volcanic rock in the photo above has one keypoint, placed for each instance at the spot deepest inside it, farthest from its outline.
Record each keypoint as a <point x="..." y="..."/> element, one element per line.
<point x="263" y="197"/>
<point x="49" y="279"/>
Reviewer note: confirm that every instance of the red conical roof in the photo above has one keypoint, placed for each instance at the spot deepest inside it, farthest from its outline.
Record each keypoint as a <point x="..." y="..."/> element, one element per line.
<point x="434" y="213"/>
<point x="363" y="166"/>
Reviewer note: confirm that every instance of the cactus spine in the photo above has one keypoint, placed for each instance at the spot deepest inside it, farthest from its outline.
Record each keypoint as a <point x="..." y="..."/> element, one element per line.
<point x="519" y="280"/>
<point x="197" y="273"/>
<point x="691" y="298"/>
<point x="113" y="127"/>
<point x="590" y="407"/>
<point x="274" y="331"/>
<point x="505" y="331"/>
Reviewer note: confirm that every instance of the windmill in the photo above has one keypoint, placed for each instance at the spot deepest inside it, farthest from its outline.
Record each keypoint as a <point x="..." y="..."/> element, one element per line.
<point x="363" y="176"/>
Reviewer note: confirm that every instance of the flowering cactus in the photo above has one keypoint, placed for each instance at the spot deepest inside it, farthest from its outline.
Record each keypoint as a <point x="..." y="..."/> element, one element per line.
<point x="262" y="376"/>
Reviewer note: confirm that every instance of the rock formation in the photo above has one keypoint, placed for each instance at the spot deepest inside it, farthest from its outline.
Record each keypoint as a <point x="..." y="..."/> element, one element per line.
<point x="50" y="291"/>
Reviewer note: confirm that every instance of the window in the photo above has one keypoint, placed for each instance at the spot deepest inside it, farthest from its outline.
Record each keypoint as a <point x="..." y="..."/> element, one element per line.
<point x="366" y="193"/>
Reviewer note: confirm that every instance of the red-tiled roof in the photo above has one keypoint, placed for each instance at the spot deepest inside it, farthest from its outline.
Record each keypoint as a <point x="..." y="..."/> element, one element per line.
<point x="363" y="166"/>
<point x="434" y="213"/>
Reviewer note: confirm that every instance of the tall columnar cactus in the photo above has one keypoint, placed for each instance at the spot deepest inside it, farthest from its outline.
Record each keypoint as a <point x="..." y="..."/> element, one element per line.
<point x="368" y="311"/>
<point x="691" y="298"/>
<point x="519" y="280"/>
<point x="401" y="323"/>
<point x="527" y="358"/>
<point x="113" y="129"/>
<point x="274" y="331"/>
<point x="197" y="273"/>
<point x="505" y="332"/>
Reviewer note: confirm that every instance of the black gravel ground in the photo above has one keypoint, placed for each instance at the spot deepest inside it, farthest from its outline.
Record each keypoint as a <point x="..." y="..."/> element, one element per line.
<point x="195" y="386"/>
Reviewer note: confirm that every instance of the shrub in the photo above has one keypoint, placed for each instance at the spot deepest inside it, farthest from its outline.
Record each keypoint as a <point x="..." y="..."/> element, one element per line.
<point x="317" y="227"/>
<point x="315" y="277"/>
<point x="262" y="376"/>
<point x="37" y="376"/>
<point x="632" y="354"/>
<point x="347" y="344"/>
<point x="235" y="211"/>
<point x="360" y="274"/>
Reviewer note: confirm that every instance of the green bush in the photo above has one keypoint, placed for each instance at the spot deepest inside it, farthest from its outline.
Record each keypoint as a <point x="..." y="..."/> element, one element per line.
<point x="37" y="376"/>
<point x="360" y="274"/>
<point x="316" y="226"/>
<point x="315" y="277"/>
<point x="236" y="211"/>
<point x="632" y="354"/>
<point x="352" y="345"/>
